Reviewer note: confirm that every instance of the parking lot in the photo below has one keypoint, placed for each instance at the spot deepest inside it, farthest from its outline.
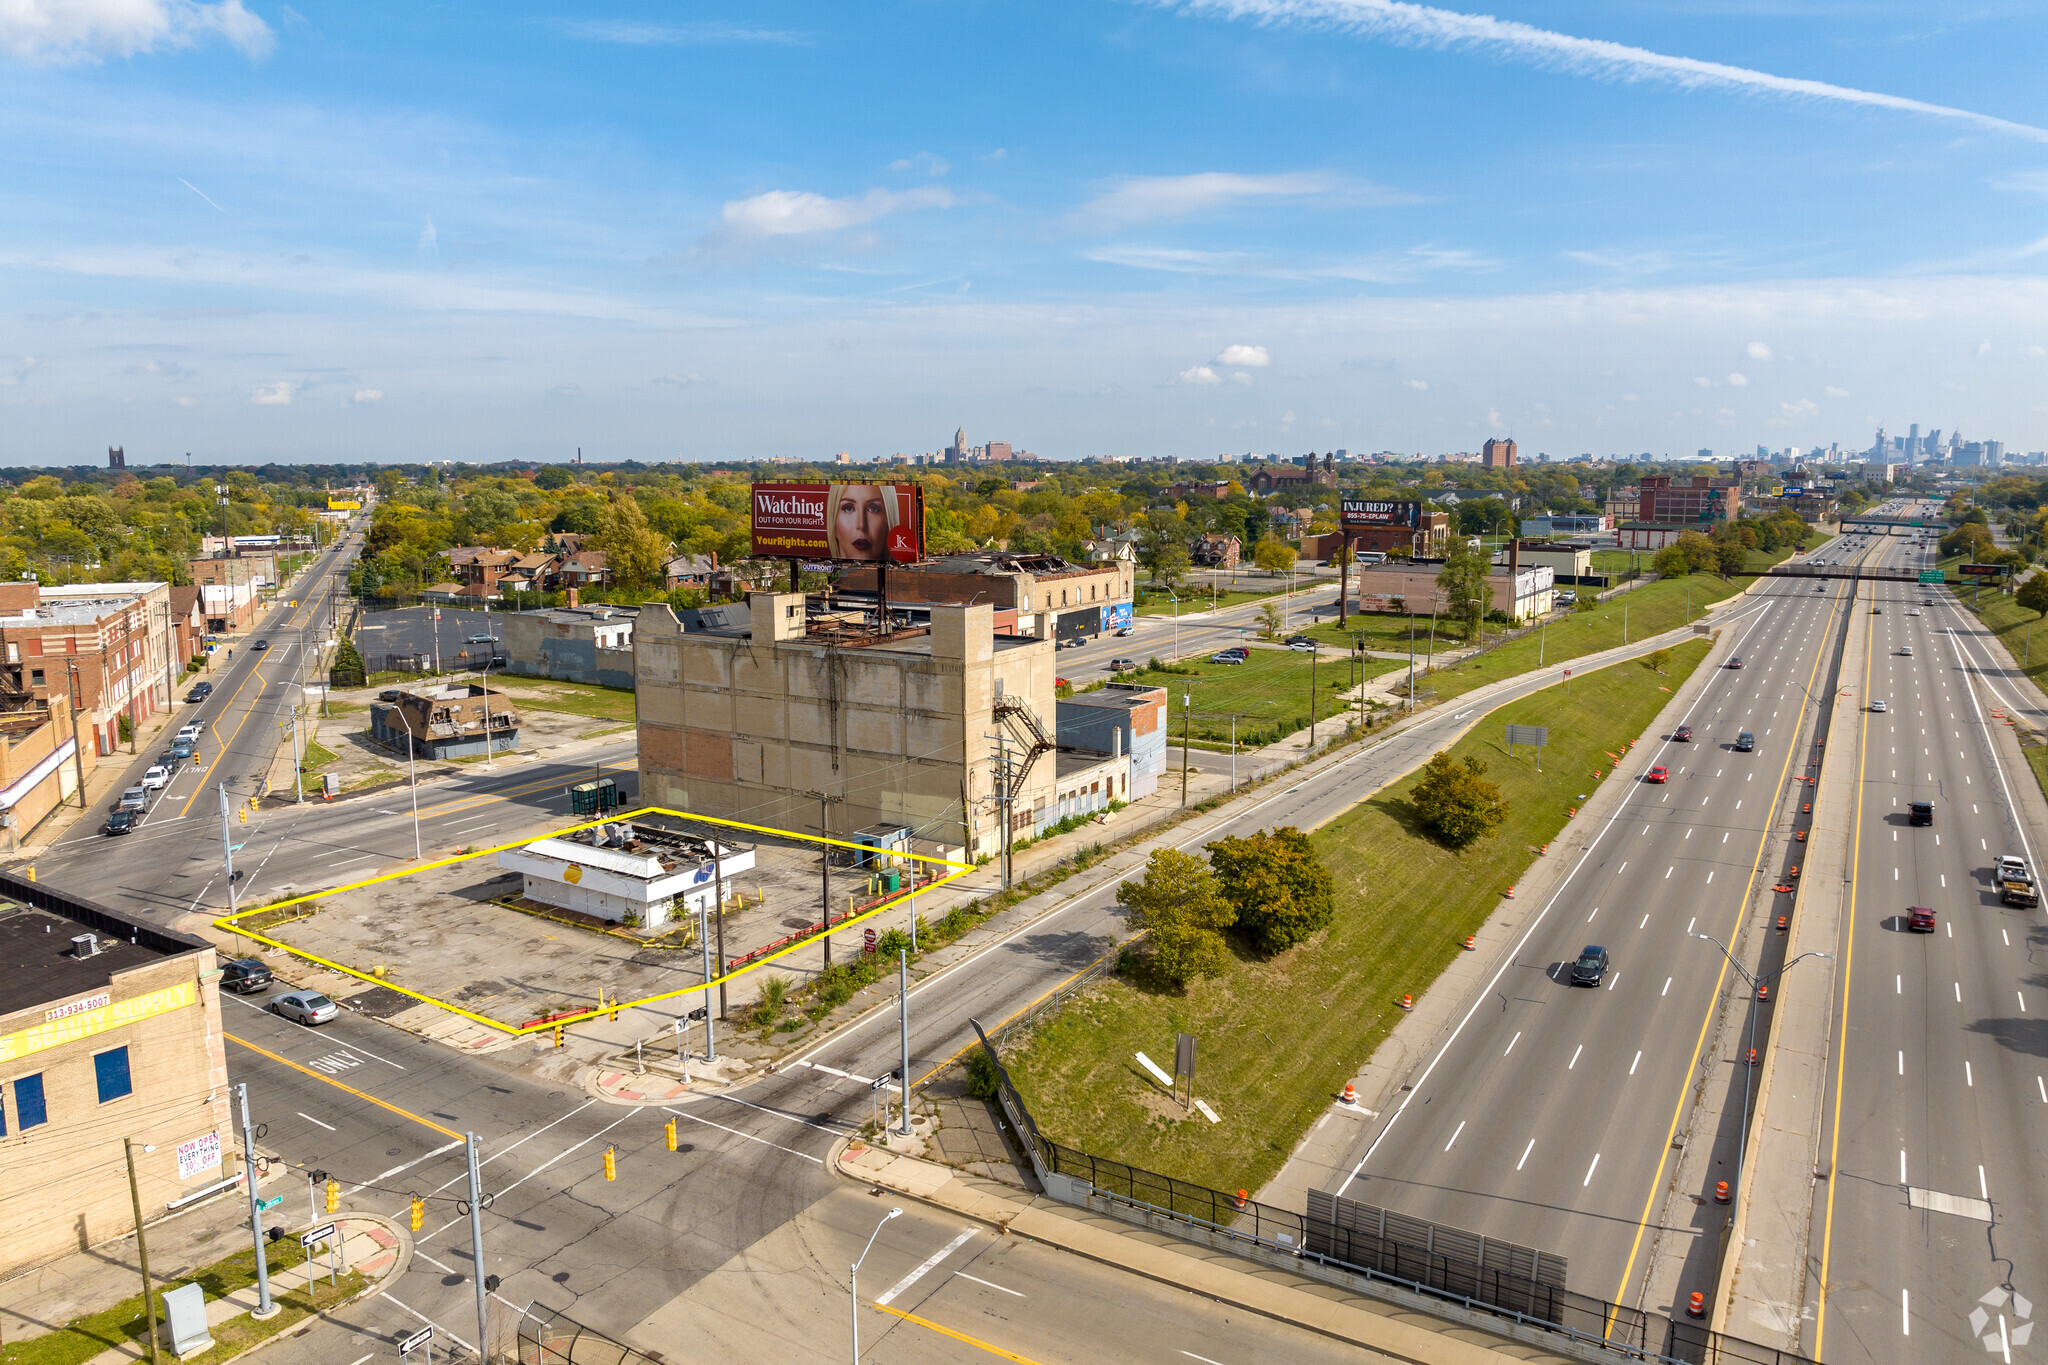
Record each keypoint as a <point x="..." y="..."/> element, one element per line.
<point x="445" y="933"/>
<point x="415" y="631"/>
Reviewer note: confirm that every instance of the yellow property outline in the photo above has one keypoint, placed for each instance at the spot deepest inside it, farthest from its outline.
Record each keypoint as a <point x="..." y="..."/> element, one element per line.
<point x="232" y="923"/>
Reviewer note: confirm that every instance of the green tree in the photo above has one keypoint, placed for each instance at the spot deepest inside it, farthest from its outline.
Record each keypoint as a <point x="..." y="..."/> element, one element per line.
<point x="2033" y="594"/>
<point x="1670" y="562"/>
<point x="1456" y="801"/>
<point x="1269" y="619"/>
<point x="1279" y="887"/>
<point x="1464" y="582"/>
<point x="1183" y="908"/>
<point x="1656" y="659"/>
<point x="553" y="477"/>
<point x="1274" y="556"/>
<point x="634" y="552"/>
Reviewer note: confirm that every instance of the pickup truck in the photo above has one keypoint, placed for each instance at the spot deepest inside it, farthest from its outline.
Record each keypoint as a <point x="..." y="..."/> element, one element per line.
<point x="2015" y="881"/>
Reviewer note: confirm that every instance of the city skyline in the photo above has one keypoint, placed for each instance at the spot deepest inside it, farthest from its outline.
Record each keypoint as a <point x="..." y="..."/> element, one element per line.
<point x="259" y="233"/>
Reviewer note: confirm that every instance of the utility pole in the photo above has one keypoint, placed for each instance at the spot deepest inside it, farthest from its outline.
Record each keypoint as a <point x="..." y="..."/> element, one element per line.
<point x="1186" y="700"/>
<point x="1312" y="698"/>
<point x="825" y="869"/>
<point x="718" y="880"/>
<point x="142" y="1246"/>
<point x="1411" y="663"/>
<point x="77" y="751"/>
<point x="903" y="1030"/>
<point x="1003" y="803"/>
<point x="227" y="847"/>
<point x="476" y="1250"/>
<point x="492" y="653"/>
<point x="264" y="1307"/>
<point x="704" y="938"/>
<point x="412" y="766"/>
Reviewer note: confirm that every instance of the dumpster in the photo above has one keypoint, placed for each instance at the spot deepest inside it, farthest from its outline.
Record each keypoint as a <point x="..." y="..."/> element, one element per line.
<point x="594" y="798"/>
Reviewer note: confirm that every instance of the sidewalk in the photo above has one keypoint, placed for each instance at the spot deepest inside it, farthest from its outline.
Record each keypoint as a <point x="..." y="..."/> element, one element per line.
<point x="1385" y="1330"/>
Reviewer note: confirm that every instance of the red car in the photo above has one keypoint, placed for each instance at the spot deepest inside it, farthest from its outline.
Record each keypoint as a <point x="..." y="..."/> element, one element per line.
<point x="1735" y="662"/>
<point x="1920" y="919"/>
<point x="1657" y="775"/>
<point x="1683" y="734"/>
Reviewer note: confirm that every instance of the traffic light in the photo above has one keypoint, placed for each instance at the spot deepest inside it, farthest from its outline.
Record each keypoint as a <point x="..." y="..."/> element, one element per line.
<point x="611" y="1163"/>
<point x="669" y="1130"/>
<point x="242" y="814"/>
<point x="615" y="1007"/>
<point x="558" y="1035"/>
<point x="334" y="1196"/>
<point x="419" y="1212"/>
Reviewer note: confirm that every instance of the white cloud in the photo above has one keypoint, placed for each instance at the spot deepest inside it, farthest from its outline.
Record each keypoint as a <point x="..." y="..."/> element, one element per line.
<point x="630" y="34"/>
<point x="1199" y="375"/>
<point x="1241" y="379"/>
<point x="63" y="31"/>
<point x="566" y="391"/>
<point x="1756" y="350"/>
<point x="1144" y="198"/>
<point x="365" y="397"/>
<point x="19" y="372"/>
<point x="794" y="213"/>
<point x="1805" y="407"/>
<point x="2024" y="182"/>
<point x="2037" y="351"/>
<point x="1630" y="398"/>
<point x="1983" y="348"/>
<point x="923" y="162"/>
<point x="1252" y="356"/>
<point x="1385" y="267"/>
<point x="1427" y="26"/>
<point x="186" y="402"/>
<point x="429" y="243"/>
<point x="678" y="381"/>
<point x="1738" y="381"/>
<point x="1419" y="385"/>
<point x="1703" y="381"/>
<point x="273" y="395"/>
<point x="168" y="369"/>
<point x="1833" y="392"/>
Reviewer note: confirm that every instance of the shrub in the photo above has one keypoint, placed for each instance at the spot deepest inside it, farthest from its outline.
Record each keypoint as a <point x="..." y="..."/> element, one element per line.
<point x="1181" y="905"/>
<point x="891" y="942"/>
<point x="1456" y="802"/>
<point x="982" y="1081"/>
<point x="1277" y="884"/>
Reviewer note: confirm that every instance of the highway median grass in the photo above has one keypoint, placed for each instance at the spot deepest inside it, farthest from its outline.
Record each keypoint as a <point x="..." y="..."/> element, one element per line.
<point x="1279" y="1037"/>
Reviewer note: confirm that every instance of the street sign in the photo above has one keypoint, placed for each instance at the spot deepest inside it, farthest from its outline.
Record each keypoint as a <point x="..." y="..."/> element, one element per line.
<point x="319" y="1234"/>
<point x="415" y="1341"/>
<point x="1984" y="570"/>
<point x="268" y="1204"/>
<point x="1933" y="576"/>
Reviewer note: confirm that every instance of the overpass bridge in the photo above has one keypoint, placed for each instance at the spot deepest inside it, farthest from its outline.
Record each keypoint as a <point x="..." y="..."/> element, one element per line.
<point x="1891" y="525"/>
<point x="1864" y="572"/>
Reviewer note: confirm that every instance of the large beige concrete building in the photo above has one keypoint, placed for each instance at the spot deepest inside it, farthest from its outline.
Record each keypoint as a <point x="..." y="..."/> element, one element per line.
<point x="109" y="1029"/>
<point x="915" y="729"/>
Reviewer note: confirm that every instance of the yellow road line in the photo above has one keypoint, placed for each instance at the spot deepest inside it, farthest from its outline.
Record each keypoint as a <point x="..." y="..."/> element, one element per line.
<point x="372" y="1099"/>
<point x="231" y="923"/>
<point x="1720" y="980"/>
<point x="957" y="1336"/>
<point x="1827" y="1236"/>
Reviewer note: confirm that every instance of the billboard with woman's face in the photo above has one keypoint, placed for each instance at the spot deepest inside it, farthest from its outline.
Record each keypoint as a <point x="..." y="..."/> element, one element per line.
<point x="868" y="523"/>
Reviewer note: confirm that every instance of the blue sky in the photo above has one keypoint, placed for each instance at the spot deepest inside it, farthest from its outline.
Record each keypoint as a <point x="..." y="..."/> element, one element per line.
<point x="260" y="231"/>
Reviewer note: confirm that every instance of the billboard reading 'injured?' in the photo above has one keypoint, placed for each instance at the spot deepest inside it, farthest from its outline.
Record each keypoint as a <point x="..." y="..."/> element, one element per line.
<point x="1359" y="512"/>
<point x="868" y="523"/>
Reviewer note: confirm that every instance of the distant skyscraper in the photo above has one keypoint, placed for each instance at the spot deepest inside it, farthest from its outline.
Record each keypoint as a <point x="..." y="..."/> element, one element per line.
<point x="1499" y="454"/>
<point x="1913" y="442"/>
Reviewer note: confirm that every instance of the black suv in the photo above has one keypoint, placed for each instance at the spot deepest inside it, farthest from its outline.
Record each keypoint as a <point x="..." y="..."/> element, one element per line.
<point x="1920" y="813"/>
<point x="199" y="692"/>
<point x="244" y="976"/>
<point x="1591" y="966"/>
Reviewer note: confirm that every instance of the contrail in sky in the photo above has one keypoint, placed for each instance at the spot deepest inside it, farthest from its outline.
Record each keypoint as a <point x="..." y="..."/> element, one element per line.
<point x="201" y="193"/>
<point x="1427" y="26"/>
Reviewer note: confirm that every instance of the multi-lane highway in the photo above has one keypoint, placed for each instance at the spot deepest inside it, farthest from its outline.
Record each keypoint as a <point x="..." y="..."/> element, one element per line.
<point x="1931" y="1237"/>
<point x="1547" y="1116"/>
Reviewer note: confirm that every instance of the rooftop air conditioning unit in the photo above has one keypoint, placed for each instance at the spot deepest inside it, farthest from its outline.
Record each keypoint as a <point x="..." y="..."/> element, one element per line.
<point x="85" y="945"/>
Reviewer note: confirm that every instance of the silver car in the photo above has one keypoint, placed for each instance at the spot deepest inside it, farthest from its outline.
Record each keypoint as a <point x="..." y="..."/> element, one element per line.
<point x="305" y="1007"/>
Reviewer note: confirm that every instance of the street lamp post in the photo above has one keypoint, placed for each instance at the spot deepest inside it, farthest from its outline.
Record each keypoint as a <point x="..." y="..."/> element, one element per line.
<point x="1742" y="1144"/>
<point x="413" y="769"/>
<point x="142" y="1245"/>
<point x="854" y="1275"/>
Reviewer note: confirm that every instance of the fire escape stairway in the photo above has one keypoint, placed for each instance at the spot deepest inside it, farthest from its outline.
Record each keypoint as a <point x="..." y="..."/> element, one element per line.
<point x="1024" y="727"/>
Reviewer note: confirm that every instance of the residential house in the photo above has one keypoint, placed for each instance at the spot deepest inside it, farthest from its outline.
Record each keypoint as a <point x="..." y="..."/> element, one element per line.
<point x="584" y="569"/>
<point x="1215" y="551"/>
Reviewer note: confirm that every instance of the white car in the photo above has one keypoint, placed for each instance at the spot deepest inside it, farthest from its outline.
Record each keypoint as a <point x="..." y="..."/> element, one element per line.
<point x="188" y="733"/>
<point x="157" y="778"/>
<point x="1906" y="651"/>
<point x="1879" y="705"/>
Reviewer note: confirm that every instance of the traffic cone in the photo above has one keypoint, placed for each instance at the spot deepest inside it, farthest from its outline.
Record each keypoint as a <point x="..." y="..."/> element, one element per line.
<point x="1696" y="1305"/>
<point x="1571" y="813"/>
<point x="1511" y="893"/>
<point x="1407" y="1002"/>
<point x="1350" y="1093"/>
<point x="1795" y="870"/>
<point x="1471" y="942"/>
<point x="1752" y="1056"/>
<point x="1720" y="1191"/>
<point x="1239" y="1201"/>
<point x="1763" y="995"/>
<point x="1783" y="922"/>
<point x="1543" y="850"/>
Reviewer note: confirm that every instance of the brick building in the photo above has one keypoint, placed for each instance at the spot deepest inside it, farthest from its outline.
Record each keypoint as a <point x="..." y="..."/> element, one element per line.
<point x="111" y="1029"/>
<point x="99" y="647"/>
<point x="227" y="592"/>
<point x="1499" y="454"/>
<point x="1318" y="471"/>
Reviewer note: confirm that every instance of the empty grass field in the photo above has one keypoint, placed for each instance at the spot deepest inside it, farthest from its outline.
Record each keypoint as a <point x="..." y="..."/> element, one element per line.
<point x="1268" y="693"/>
<point x="1279" y="1037"/>
<point x="572" y="698"/>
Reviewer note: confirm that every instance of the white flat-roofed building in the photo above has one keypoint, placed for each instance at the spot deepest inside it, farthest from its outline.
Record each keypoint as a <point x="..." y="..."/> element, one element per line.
<point x="649" y="877"/>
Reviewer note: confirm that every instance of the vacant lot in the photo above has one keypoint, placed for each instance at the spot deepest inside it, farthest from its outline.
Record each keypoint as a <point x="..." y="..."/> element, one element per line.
<point x="1268" y="694"/>
<point x="576" y="699"/>
<point x="1279" y="1037"/>
<point x="1154" y="601"/>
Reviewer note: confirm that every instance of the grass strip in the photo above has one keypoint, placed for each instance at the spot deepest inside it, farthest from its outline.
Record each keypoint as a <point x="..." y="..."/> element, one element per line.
<point x="572" y="698"/>
<point x="1267" y="693"/>
<point x="1280" y="1036"/>
<point x="125" y="1323"/>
